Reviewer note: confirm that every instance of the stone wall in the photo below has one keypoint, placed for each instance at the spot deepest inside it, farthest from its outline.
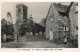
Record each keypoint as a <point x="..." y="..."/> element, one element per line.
<point x="73" y="15"/>
<point x="51" y="24"/>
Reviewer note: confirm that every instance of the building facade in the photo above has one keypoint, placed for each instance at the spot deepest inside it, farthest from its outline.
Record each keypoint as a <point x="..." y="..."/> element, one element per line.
<point x="73" y="15"/>
<point x="57" y="23"/>
<point x="61" y="22"/>
<point x="21" y="13"/>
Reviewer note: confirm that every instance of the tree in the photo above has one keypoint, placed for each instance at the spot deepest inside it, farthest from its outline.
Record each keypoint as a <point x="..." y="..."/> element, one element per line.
<point x="3" y="26"/>
<point x="43" y="22"/>
<point x="6" y="29"/>
<point x="26" y="26"/>
<point x="23" y="28"/>
<point x="10" y="30"/>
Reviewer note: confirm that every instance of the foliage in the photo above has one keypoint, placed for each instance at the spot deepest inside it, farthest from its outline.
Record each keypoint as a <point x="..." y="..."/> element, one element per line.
<point x="6" y="29"/>
<point x="26" y="26"/>
<point x="3" y="26"/>
<point x="10" y="29"/>
<point x="43" y="22"/>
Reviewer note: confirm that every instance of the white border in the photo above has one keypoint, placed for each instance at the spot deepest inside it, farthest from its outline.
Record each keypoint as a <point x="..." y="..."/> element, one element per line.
<point x="64" y="49"/>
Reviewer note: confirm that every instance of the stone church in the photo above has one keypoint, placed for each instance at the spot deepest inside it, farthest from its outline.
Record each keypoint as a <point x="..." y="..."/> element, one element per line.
<point x="21" y="15"/>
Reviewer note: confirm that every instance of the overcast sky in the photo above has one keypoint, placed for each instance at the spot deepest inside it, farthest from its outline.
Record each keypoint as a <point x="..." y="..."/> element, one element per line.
<point x="38" y="10"/>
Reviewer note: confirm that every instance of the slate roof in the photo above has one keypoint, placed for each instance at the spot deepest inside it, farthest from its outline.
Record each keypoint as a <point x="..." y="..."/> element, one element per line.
<point x="60" y="8"/>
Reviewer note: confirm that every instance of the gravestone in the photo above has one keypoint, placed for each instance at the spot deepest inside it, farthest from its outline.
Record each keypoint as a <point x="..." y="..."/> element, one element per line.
<point x="4" y="37"/>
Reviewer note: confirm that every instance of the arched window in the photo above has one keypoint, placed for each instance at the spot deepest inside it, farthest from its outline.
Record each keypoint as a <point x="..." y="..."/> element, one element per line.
<point x="19" y="11"/>
<point x="8" y="14"/>
<point x="9" y="17"/>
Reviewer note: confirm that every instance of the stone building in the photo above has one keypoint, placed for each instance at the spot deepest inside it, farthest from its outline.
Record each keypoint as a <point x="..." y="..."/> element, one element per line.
<point x="57" y="26"/>
<point x="59" y="22"/>
<point x="35" y="28"/>
<point x="21" y="15"/>
<point x="73" y="16"/>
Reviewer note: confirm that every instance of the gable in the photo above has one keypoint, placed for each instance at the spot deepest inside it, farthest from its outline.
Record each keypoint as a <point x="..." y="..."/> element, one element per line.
<point x="60" y="8"/>
<point x="52" y="11"/>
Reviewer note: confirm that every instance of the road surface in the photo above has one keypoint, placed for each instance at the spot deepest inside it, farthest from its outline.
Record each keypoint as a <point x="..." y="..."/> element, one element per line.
<point x="34" y="44"/>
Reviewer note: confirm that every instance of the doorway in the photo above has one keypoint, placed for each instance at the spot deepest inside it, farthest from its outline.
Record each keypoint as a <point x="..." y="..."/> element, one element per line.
<point x="51" y="34"/>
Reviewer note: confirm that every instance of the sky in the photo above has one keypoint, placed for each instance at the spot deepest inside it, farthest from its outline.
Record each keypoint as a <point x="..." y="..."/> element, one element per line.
<point x="38" y="10"/>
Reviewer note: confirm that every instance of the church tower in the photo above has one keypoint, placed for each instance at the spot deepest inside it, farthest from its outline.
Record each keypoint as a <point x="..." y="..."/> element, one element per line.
<point x="21" y="13"/>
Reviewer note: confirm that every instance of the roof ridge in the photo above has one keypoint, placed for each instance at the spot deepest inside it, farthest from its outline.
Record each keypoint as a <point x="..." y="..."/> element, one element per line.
<point x="60" y="7"/>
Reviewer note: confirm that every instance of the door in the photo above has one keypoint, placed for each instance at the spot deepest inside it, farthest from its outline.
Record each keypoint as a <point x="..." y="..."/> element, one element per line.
<point x="51" y="35"/>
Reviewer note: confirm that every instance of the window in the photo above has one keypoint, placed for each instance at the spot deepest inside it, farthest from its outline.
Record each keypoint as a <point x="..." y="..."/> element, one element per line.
<point x="8" y="14"/>
<point x="76" y="8"/>
<point x="19" y="10"/>
<point x="63" y="28"/>
<point x="51" y="19"/>
<point x="66" y="28"/>
<point x="76" y="27"/>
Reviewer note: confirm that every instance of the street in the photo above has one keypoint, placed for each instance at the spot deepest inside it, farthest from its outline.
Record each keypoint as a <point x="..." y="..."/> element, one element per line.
<point x="34" y="44"/>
